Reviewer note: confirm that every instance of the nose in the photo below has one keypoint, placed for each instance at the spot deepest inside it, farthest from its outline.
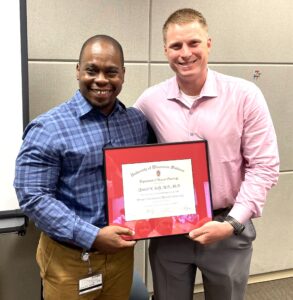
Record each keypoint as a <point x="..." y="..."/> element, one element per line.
<point x="101" y="78"/>
<point x="185" y="51"/>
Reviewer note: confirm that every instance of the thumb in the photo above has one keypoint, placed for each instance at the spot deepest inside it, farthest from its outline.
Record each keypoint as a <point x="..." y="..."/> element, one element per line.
<point x="194" y="233"/>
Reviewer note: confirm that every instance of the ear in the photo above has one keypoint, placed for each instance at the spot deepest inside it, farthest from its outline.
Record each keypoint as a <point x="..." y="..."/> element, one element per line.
<point x="77" y="71"/>
<point x="123" y="74"/>
<point x="165" y="50"/>
<point x="209" y="44"/>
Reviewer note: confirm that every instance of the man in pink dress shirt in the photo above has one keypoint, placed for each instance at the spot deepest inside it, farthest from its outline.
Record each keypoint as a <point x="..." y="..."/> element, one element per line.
<point x="232" y="115"/>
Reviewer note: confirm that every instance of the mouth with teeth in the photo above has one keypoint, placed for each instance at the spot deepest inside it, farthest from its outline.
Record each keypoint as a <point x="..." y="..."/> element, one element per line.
<point x="101" y="92"/>
<point x="187" y="64"/>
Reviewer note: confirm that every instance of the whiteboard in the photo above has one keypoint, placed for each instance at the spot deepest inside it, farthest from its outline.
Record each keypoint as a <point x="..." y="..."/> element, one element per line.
<point x="13" y="93"/>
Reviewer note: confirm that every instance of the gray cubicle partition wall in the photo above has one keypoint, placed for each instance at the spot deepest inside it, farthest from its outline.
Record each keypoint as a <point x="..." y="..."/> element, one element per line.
<point x="247" y="36"/>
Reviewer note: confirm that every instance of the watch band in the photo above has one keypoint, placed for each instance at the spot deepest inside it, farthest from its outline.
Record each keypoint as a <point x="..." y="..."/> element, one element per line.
<point x="238" y="227"/>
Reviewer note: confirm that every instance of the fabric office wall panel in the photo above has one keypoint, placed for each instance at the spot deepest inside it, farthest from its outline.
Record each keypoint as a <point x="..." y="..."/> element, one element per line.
<point x="59" y="27"/>
<point x="52" y="83"/>
<point x="273" y="248"/>
<point x="243" y="31"/>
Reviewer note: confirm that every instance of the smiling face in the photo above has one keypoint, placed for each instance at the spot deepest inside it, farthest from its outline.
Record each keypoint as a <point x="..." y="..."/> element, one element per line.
<point x="187" y="48"/>
<point x="100" y="72"/>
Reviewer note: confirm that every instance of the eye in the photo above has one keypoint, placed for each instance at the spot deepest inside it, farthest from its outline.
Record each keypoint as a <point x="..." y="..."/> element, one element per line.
<point x="112" y="72"/>
<point x="176" y="46"/>
<point x="90" y="71"/>
<point x="194" y="43"/>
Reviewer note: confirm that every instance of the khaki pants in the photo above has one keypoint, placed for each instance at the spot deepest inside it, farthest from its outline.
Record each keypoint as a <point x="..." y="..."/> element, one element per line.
<point x="61" y="268"/>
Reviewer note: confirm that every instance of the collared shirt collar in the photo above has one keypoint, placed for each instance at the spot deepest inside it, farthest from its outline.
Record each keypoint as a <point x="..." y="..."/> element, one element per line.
<point x="209" y="90"/>
<point x="83" y="107"/>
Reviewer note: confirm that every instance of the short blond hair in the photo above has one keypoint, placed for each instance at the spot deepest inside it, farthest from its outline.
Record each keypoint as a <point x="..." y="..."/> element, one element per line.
<point x="183" y="16"/>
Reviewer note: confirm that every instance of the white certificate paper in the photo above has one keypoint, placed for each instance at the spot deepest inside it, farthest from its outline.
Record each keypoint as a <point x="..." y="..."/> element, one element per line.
<point x="158" y="189"/>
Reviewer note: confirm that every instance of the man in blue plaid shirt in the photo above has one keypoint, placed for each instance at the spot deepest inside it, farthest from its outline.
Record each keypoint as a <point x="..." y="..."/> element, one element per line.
<point x="60" y="185"/>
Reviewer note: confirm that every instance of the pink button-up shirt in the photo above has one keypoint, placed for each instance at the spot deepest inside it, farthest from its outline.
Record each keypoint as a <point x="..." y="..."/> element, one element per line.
<point x="232" y="115"/>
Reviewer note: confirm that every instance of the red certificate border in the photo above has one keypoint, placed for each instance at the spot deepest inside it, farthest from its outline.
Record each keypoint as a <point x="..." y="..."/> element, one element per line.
<point x="197" y="151"/>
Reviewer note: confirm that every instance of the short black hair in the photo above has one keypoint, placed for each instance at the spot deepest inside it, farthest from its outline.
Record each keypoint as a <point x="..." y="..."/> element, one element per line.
<point x="103" y="37"/>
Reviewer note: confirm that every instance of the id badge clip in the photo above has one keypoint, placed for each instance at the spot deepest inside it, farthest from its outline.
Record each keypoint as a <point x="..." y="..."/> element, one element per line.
<point x="92" y="282"/>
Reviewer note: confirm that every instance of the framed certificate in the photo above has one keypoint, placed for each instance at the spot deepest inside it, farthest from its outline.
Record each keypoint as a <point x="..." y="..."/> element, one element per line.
<point x="158" y="189"/>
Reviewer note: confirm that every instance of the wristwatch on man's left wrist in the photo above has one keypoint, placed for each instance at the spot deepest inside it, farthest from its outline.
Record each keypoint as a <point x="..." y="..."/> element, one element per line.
<point x="238" y="227"/>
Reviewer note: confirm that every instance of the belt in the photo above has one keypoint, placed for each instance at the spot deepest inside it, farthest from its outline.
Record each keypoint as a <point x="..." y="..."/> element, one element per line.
<point x="72" y="246"/>
<point x="221" y="211"/>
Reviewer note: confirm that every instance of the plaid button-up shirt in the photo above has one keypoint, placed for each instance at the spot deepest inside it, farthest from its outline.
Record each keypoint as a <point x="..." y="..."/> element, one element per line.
<point x="60" y="172"/>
